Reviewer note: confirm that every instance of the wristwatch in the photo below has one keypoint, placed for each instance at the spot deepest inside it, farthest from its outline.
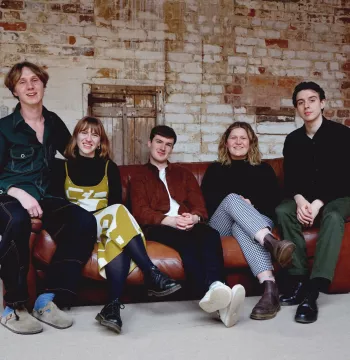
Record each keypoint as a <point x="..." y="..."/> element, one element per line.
<point x="199" y="219"/>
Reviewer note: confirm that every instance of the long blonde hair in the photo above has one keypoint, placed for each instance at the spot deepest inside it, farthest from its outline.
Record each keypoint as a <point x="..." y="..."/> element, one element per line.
<point x="253" y="155"/>
<point x="97" y="127"/>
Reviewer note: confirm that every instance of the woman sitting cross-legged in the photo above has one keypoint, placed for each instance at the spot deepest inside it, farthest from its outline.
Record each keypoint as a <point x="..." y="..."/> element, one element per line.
<point x="91" y="180"/>
<point x="241" y="194"/>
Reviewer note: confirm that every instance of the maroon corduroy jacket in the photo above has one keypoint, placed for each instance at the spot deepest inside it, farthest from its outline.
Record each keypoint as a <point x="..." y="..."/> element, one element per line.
<point x="149" y="198"/>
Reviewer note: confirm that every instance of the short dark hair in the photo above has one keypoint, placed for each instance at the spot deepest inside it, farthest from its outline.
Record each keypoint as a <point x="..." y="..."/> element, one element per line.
<point x="308" y="85"/>
<point x="165" y="131"/>
<point x="15" y="73"/>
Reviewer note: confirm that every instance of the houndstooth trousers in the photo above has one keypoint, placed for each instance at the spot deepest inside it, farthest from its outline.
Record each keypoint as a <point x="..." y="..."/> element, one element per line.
<point x="236" y="217"/>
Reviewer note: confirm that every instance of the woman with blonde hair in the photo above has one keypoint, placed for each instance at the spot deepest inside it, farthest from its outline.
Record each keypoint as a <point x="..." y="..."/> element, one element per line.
<point x="90" y="179"/>
<point x="241" y="193"/>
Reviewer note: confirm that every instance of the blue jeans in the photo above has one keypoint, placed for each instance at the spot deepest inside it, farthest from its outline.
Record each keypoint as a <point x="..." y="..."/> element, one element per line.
<point x="74" y="232"/>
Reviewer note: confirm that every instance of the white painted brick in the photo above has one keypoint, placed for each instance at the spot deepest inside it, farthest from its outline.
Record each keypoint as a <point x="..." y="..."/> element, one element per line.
<point x="275" y="128"/>
<point x="297" y="72"/>
<point x="244" y="49"/>
<point x="326" y="47"/>
<point x="260" y="52"/>
<point x="219" y="119"/>
<point x="129" y="34"/>
<point x="287" y="102"/>
<point x="321" y="28"/>
<point x="212" y="49"/>
<point x="193" y="68"/>
<point x="320" y="65"/>
<point x="194" y="109"/>
<point x="246" y="118"/>
<point x="339" y="75"/>
<point x="239" y="69"/>
<point x="180" y="57"/>
<point x="192" y="128"/>
<point x="212" y="147"/>
<point x="288" y="54"/>
<point x="273" y="34"/>
<point x="247" y="41"/>
<point x="345" y="49"/>
<point x="241" y="31"/>
<point x="219" y="109"/>
<point x="149" y="55"/>
<point x="175" y="108"/>
<point x="180" y="98"/>
<point x="212" y="99"/>
<point x="213" y="129"/>
<point x="176" y="66"/>
<point x="253" y="70"/>
<point x="211" y="59"/>
<point x="205" y="88"/>
<point x="327" y="56"/>
<point x="210" y="138"/>
<point x="254" y="61"/>
<point x="240" y="110"/>
<point x="336" y="103"/>
<point x="191" y="148"/>
<point x="334" y="66"/>
<point x="191" y="78"/>
<point x="237" y="61"/>
<point x="190" y="88"/>
<point x="217" y="89"/>
<point x="192" y="38"/>
<point x="192" y="49"/>
<point x="327" y="75"/>
<point x="275" y="52"/>
<point x="197" y="99"/>
<point x="340" y="57"/>
<point x="179" y="118"/>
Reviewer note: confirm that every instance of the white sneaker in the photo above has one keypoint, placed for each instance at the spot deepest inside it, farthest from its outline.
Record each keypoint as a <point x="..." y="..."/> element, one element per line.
<point x="217" y="297"/>
<point x="231" y="314"/>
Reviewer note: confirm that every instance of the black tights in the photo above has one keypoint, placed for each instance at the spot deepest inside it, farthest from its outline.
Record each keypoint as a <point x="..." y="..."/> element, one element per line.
<point x="118" y="269"/>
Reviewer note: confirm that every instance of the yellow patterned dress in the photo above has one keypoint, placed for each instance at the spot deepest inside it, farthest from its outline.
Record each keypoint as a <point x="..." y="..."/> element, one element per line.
<point x="115" y="225"/>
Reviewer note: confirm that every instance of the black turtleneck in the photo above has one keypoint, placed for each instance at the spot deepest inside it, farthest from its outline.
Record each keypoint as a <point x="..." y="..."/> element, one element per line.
<point x="85" y="171"/>
<point x="258" y="183"/>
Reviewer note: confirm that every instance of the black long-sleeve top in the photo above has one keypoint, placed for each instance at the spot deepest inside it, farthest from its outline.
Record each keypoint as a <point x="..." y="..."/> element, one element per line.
<point x="85" y="171"/>
<point x="258" y="183"/>
<point x="316" y="168"/>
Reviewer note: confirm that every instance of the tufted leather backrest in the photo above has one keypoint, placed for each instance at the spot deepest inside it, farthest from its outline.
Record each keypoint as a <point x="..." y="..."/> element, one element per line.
<point x="197" y="168"/>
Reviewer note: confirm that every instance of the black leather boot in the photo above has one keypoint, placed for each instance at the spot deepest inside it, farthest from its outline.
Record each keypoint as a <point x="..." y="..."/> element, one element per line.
<point x="160" y="284"/>
<point x="268" y="305"/>
<point x="110" y="316"/>
<point x="307" y="311"/>
<point x="281" y="250"/>
<point x="296" y="294"/>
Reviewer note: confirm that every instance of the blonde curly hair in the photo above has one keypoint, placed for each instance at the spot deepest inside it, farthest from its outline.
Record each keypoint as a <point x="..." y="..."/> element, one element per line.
<point x="253" y="156"/>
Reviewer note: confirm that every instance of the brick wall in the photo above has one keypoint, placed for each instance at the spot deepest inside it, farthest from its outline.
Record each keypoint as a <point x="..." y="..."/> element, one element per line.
<point x="218" y="60"/>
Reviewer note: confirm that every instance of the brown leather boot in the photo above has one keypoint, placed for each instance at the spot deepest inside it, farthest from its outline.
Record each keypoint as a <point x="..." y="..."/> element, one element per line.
<point x="268" y="306"/>
<point x="281" y="250"/>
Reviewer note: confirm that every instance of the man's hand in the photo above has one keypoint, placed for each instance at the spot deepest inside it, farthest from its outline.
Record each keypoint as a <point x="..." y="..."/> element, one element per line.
<point x="189" y="219"/>
<point x="304" y="211"/>
<point x="27" y="201"/>
<point x="316" y="206"/>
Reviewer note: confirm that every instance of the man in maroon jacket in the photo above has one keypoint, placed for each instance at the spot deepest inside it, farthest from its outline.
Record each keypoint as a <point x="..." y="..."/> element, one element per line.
<point x="167" y="202"/>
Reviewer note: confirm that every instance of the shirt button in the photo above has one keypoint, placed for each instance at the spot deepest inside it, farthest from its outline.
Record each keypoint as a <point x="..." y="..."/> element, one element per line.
<point x="23" y="156"/>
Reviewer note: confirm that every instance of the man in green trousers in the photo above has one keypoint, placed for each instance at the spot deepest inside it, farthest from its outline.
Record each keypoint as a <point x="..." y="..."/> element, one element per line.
<point x="317" y="188"/>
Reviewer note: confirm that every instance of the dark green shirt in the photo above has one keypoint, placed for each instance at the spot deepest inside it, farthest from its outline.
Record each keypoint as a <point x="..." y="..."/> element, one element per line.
<point x="25" y="163"/>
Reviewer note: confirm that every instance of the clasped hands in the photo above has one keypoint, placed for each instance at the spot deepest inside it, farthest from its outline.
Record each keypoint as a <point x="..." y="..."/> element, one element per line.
<point x="185" y="221"/>
<point x="306" y="211"/>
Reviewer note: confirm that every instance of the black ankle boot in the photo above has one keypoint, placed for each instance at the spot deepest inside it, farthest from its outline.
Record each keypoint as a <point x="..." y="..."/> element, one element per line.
<point x="296" y="293"/>
<point x="160" y="284"/>
<point x="307" y="311"/>
<point x="110" y="316"/>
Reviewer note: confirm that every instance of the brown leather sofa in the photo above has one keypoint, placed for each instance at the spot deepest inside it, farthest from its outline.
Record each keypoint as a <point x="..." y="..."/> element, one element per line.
<point x="93" y="288"/>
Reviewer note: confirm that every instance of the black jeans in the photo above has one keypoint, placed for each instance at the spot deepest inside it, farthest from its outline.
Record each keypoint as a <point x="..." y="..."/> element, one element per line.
<point x="72" y="228"/>
<point x="200" y="250"/>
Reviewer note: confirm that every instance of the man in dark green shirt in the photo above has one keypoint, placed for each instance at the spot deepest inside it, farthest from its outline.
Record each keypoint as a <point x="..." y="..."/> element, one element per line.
<point x="29" y="139"/>
<point x="317" y="190"/>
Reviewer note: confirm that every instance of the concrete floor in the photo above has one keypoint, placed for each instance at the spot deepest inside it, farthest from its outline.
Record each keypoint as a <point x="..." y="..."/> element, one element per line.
<point x="180" y="330"/>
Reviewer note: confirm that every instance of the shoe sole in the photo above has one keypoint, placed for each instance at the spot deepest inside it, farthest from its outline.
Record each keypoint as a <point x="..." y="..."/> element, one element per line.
<point x="55" y="326"/>
<point x="285" y="257"/>
<point x="220" y="299"/>
<point x="23" y="333"/>
<point x="265" y="316"/>
<point x="107" y="324"/>
<point x="236" y="306"/>
<point x="165" y="292"/>
<point x="302" y="321"/>
<point x="283" y="303"/>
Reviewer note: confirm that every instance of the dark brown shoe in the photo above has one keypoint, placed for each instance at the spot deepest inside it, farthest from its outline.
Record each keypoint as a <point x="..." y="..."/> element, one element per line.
<point x="281" y="250"/>
<point x="269" y="305"/>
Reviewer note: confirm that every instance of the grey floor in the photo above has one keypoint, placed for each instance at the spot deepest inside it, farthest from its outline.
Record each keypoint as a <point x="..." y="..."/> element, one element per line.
<point x="180" y="330"/>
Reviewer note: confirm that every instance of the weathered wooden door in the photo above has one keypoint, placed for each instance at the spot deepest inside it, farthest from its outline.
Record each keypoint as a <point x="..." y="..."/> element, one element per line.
<point x="128" y="114"/>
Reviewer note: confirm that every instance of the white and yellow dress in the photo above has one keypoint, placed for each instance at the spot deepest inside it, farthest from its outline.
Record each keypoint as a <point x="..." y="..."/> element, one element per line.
<point x="115" y="225"/>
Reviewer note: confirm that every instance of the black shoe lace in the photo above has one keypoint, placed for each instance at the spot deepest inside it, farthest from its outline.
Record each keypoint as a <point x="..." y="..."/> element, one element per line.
<point x="115" y="306"/>
<point x="159" y="278"/>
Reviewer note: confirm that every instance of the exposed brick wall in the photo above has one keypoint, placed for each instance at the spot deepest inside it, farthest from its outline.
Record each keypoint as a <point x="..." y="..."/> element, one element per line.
<point x="218" y="60"/>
